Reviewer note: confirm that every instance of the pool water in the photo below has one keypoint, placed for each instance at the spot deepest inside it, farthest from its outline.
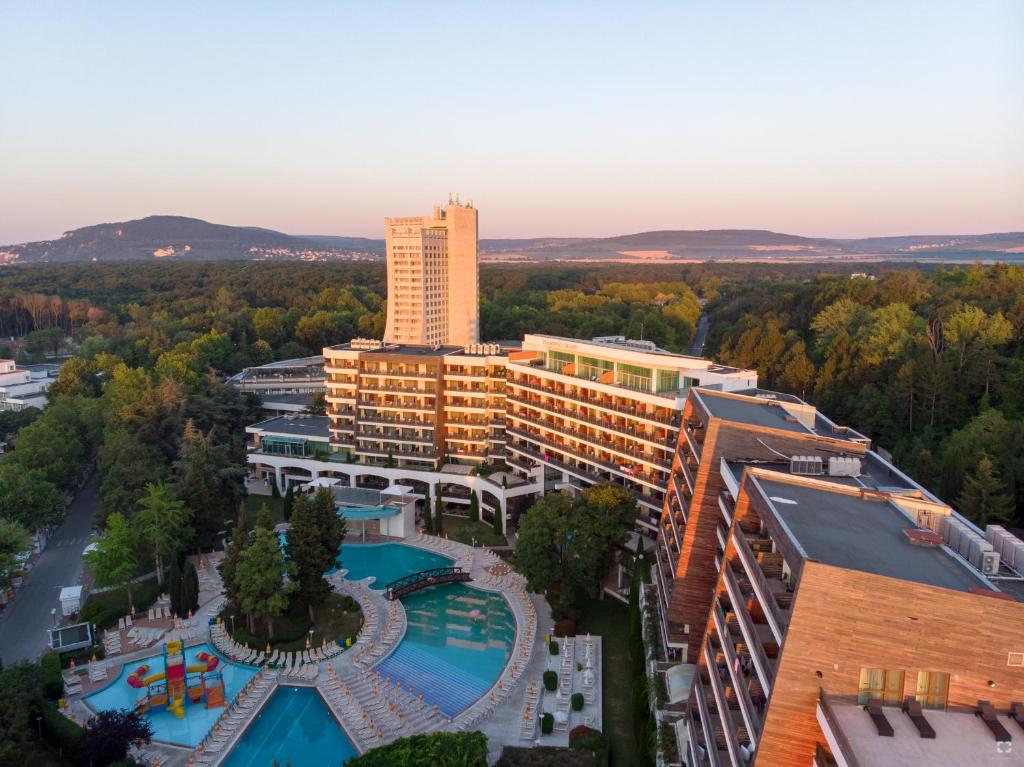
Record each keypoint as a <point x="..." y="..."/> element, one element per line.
<point x="295" y="726"/>
<point x="198" y="719"/>
<point x="449" y="656"/>
<point x="387" y="561"/>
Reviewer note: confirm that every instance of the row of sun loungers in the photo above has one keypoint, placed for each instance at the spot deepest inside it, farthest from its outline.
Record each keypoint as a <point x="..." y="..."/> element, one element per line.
<point x="912" y="708"/>
<point x="212" y="748"/>
<point x="376" y="710"/>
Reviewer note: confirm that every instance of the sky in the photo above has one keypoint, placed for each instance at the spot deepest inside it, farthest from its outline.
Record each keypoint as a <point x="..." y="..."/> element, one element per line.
<point x="836" y="119"/>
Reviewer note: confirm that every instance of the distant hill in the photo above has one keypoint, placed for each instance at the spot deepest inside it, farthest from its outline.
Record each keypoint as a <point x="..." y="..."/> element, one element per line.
<point x="178" y="237"/>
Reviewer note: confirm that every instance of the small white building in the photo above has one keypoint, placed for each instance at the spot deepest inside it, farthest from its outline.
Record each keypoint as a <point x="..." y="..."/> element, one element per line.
<point x="25" y="386"/>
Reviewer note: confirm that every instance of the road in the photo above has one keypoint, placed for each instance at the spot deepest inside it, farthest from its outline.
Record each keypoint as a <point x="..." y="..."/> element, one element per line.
<point x="700" y="336"/>
<point x="24" y="623"/>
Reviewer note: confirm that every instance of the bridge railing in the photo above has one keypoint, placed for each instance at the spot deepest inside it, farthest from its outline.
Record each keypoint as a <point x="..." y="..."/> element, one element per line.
<point x="424" y="578"/>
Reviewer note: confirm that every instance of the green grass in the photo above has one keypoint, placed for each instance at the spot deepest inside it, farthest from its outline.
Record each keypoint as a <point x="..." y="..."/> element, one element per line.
<point x="609" y="618"/>
<point x="336" y="619"/>
<point x="464" y="531"/>
<point x="253" y="504"/>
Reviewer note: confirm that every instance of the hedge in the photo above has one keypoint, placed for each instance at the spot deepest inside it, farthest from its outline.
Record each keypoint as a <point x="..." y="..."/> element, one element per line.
<point x="106" y="607"/>
<point x="577" y="701"/>
<point x="553" y="647"/>
<point x="53" y="684"/>
<point x="565" y="628"/>
<point x="466" y="749"/>
<point x="60" y="732"/>
<point x="550" y="681"/>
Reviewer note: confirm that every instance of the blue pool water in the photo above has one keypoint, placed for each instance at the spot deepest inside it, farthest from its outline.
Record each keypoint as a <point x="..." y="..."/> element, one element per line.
<point x="449" y="656"/>
<point x="198" y="719"/>
<point x="295" y="726"/>
<point x="357" y="513"/>
<point x="387" y="561"/>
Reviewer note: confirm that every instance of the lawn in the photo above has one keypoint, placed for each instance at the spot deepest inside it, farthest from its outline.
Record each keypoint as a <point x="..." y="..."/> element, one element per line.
<point x="464" y="531"/>
<point x="253" y="504"/>
<point x="609" y="618"/>
<point x="338" y="618"/>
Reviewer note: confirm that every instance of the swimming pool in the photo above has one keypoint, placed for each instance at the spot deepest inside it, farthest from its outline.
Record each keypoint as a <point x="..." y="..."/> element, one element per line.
<point x="198" y="719"/>
<point x="387" y="561"/>
<point x="449" y="655"/>
<point x="296" y="727"/>
<point x="357" y="513"/>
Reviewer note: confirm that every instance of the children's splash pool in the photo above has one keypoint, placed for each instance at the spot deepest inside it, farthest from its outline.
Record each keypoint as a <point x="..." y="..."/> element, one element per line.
<point x="198" y="719"/>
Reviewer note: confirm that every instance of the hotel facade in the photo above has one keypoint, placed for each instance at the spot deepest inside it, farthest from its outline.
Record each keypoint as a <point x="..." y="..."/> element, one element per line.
<point x="801" y="576"/>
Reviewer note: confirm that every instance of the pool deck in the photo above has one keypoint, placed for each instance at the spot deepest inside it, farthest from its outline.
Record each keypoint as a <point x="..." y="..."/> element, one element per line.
<point x="350" y="686"/>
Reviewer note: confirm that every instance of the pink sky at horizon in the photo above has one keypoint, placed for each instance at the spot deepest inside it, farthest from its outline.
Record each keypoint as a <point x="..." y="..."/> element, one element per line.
<point x="564" y="120"/>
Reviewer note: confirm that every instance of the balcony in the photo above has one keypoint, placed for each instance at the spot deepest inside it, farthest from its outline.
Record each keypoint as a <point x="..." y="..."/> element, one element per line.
<point x="687" y="473"/>
<point x="696" y="447"/>
<point x="411" y="407"/>
<point x="777" y="620"/>
<point x="765" y="671"/>
<point x="638" y="476"/>
<point x="587" y="474"/>
<point x="751" y="718"/>
<point x="423" y="455"/>
<point x="725" y="507"/>
<point x="626" y="428"/>
<point x="715" y="757"/>
<point x="669" y="420"/>
<point x="377" y="436"/>
<point x="409" y="390"/>
<point x="724" y="711"/>
<point x="408" y="376"/>
<point x="408" y="423"/>
<point x="662" y="463"/>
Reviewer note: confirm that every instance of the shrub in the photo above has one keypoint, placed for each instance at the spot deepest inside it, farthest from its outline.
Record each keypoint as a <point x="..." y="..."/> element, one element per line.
<point x="468" y="749"/>
<point x="550" y="681"/>
<point x="547" y="724"/>
<point x="565" y="628"/>
<point x="584" y="738"/>
<point x="53" y="685"/>
<point x="61" y="733"/>
<point x="553" y="647"/>
<point x="577" y="701"/>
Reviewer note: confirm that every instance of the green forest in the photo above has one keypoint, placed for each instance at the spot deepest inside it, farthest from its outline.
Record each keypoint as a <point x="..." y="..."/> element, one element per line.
<point x="927" y="362"/>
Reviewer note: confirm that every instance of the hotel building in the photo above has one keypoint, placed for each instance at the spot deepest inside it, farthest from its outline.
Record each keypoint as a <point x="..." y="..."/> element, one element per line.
<point x="433" y="292"/>
<point x="802" y="576"/>
<point x="606" y="410"/>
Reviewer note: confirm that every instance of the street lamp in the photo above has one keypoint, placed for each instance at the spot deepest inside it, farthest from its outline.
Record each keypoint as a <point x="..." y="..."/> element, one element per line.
<point x="232" y="623"/>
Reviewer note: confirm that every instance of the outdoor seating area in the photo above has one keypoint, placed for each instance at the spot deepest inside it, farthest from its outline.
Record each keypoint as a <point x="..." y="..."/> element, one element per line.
<point x="294" y="664"/>
<point x="235" y="718"/>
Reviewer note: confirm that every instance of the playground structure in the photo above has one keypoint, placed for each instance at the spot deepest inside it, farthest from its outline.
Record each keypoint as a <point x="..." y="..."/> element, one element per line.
<point x="179" y="682"/>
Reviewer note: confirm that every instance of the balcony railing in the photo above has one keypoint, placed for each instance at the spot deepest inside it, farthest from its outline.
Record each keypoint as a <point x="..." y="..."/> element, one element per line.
<point x="638" y="476"/>
<point x="625" y="429"/>
<point x="776" y="621"/>
<point x="636" y="455"/>
<point x="710" y="744"/>
<point x="405" y="422"/>
<point x="750" y="636"/>
<point x="724" y="712"/>
<point x="751" y="719"/>
<point x="586" y="473"/>
<point x="376" y="436"/>
<point x="670" y="420"/>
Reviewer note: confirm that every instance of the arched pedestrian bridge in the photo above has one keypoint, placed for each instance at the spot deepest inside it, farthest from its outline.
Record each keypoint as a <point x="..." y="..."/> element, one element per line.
<point x="421" y="580"/>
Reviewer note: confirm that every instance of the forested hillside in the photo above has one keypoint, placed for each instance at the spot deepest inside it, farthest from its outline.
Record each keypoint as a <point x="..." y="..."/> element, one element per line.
<point x="930" y="364"/>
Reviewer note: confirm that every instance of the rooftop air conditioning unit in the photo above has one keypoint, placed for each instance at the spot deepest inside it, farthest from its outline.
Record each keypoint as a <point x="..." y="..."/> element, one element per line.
<point x="989" y="563"/>
<point x="808" y="465"/>
<point x="843" y="466"/>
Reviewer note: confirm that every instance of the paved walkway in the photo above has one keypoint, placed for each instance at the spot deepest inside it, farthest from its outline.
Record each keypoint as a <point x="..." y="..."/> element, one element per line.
<point x="24" y="623"/>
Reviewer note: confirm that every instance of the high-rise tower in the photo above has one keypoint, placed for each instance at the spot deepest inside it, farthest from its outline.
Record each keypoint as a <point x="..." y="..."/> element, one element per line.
<point x="432" y="277"/>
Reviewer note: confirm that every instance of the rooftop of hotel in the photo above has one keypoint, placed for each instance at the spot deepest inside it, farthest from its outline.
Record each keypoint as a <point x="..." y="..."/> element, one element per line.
<point x="876" y="473"/>
<point x="621" y="343"/>
<point x="308" y="426"/>
<point x="864" y="533"/>
<point x="960" y="738"/>
<point x="763" y="408"/>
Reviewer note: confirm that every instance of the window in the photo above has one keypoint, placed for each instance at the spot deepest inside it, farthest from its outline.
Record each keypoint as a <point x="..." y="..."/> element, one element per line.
<point x="881" y="684"/>
<point x="668" y="380"/>
<point x="635" y="377"/>
<point x="558" y="360"/>
<point x="592" y="368"/>
<point x="932" y="688"/>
